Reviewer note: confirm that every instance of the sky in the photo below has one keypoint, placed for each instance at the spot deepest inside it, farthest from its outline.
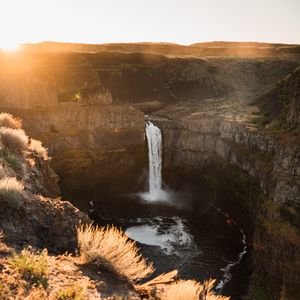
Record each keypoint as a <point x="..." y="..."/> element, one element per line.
<point x="178" y="21"/>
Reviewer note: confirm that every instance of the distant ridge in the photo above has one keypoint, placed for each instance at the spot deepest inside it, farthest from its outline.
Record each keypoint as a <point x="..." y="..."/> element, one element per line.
<point x="217" y="48"/>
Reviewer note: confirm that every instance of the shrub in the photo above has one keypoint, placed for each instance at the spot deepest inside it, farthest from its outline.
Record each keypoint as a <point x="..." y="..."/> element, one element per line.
<point x="73" y="292"/>
<point x="183" y="289"/>
<point x="7" y="120"/>
<point x="191" y="290"/>
<point x="4" y="249"/>
<point x="110" y="248"/>
<point x="11" y="190"/>
<point x="38" y="148"/>
<point x="32" y="266"/>
<point x="10" y="159"/>
<point x="14" y="139"/>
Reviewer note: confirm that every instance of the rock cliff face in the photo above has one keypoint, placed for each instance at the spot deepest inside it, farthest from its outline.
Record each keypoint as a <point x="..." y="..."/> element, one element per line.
<point x="194" y="141"/>
<point x="95" y="149"/>
<point x="281" y="105"/>
<point x="28" y="216"/>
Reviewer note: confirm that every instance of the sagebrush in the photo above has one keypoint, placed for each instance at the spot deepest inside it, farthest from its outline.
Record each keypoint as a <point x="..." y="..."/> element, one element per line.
<point x="11" y="190"/>
<point x="14" y="139"/>
<point x="37" y="147"/>
<point x="110" y="248"/>
<point x="191" y="290"/>
<point x="9" y="158"/>
<point x="7" y="120"/>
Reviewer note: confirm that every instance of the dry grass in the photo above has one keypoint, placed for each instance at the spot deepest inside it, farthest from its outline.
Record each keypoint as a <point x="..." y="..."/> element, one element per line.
<point x="14" y="139"/>
<point x="32" y="266"/>
<point x="110" y="248"/>
<point x="11" y="190"/>
<point x="4" y="249"/>
<point x="7" y="120"/>
<point x="183" y="289"/>
<point x="37" y="294"/>
<point x="73" y="292"/>
<point x="191" y="290"/>
<point x="38" y="148"/>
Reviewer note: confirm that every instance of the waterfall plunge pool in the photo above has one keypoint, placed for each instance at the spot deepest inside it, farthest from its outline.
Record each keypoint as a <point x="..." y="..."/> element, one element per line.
<point x="199" y="243"/>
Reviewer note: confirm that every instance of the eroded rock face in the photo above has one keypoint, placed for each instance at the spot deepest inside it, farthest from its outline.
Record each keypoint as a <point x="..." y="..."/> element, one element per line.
<point x="35" y="219"/>
<point x="194" y="142"/>
<point x="95" y="149"/>
<point x="42" y="222"/>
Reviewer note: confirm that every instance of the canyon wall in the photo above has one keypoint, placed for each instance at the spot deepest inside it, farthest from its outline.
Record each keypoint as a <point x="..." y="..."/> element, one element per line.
<point x="193" y="143"/>
<point x="80" y="104"/>
<point x="95" y="149"/>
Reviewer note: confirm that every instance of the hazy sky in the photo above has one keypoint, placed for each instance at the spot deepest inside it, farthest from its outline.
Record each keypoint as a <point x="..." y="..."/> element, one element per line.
<point x="179" y="21"/>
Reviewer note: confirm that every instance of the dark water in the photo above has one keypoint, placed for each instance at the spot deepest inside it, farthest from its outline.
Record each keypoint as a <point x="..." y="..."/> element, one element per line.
<point x="201" y="244"/>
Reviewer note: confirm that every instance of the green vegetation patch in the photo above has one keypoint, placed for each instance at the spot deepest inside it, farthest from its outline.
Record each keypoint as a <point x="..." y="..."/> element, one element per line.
<point x="10" y="159"/>
<point x="73" y="292"/>
<point x="32" y="266"/>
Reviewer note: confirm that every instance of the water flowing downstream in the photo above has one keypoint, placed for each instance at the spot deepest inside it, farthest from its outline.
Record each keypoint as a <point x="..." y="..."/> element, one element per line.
<point x="155" y="157"/>
<point x="154" y="139"/>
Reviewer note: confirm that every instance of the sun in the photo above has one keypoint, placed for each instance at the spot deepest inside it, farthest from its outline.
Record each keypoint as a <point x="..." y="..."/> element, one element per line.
<point x="9" y="45"/>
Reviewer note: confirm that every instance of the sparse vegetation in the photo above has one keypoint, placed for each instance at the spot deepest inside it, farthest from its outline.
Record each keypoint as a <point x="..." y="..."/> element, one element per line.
<point x="7" y="120"/>
<point x="73" y="292"/>
<point x="110" y="248"/>
<point x="37" y="147"/>
<point x="11" y="190"/>
<point x="191" y="290"/>
<point x="183" y="289"/>
<point x="10" y="159"/>
<point x="32" y="266"/>
<point x="14" y="139"/>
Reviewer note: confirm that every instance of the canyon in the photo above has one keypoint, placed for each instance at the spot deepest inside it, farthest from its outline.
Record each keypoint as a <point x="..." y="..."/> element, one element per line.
<point x="229" y="115"/>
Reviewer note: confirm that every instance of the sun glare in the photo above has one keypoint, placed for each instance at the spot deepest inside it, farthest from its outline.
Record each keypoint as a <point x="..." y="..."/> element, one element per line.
<point x="9" y="46"/>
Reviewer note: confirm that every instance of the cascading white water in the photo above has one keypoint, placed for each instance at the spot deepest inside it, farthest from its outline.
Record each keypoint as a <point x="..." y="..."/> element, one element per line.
<point x="154" y="139"/>
<point x="154" y="149"/>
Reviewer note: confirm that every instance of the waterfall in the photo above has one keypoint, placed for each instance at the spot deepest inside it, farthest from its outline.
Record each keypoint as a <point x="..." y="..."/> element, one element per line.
<point x="154" y="149"/>
<point x="154" y="139"/>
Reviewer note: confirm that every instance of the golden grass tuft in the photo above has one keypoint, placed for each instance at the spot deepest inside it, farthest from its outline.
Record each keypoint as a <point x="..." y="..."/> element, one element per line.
<point x="191" y="290"/>
<point x="32" y="266"/>
<point x="110" y="248"/>
<point x="183" y="289"/>
<point x="37" y="147"/>
<point x="14" y="139"/>
<point x="11" y="190"/>
<point x="8" y="120"/>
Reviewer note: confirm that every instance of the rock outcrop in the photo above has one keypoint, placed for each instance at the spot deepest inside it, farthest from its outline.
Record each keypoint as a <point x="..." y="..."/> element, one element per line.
<point x="28" y="216"/>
